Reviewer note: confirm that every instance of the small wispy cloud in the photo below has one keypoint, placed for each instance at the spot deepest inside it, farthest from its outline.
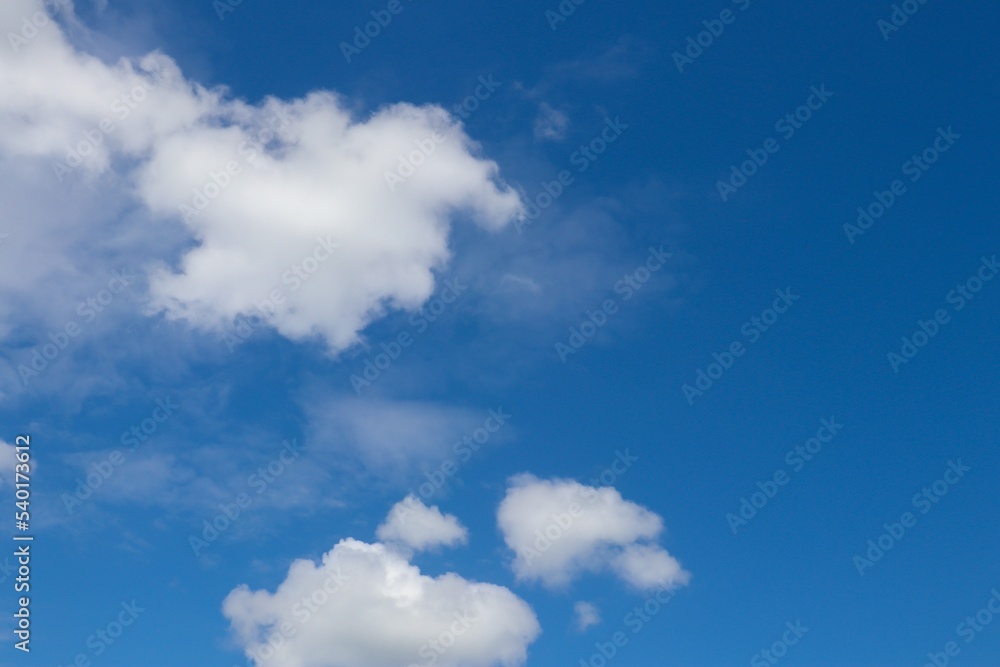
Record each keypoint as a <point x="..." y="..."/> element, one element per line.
<point x="587" y="615"/>
<point x="550" y="124"/>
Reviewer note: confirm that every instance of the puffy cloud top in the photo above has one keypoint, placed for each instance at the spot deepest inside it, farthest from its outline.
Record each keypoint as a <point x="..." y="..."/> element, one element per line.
<point x="560" y="528"/>
<point x="413" y="524"/>
<point x="295" y="210"/>
<point x="365" y="605"/>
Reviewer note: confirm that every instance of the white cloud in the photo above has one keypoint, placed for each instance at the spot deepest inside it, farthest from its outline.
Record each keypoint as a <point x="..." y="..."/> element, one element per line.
<point x="647" y="566"/>
<point x="515" y="283"/>
<point x="550" y="124"/>
<point x="419" y="527"/>
<point x="303" y="174"/>
<point x="560" y="529"/>
<point x="390" y="439"/>
<point x="587" y="615"/>
<point x="369" y="607"/>
<point x="321" y="182"/>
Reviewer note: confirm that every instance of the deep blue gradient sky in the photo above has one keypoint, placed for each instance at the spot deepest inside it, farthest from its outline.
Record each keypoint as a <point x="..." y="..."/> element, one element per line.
<point x="825" y="358"/>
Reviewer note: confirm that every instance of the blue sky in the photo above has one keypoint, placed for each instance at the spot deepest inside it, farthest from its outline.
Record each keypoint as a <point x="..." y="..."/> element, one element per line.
<point x="615" y="282"/>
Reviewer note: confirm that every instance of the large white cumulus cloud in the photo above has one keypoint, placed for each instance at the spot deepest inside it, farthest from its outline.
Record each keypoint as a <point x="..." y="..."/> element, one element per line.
<point x="365" y="605"/>
<point x="319" y="181"/>
<point x="285" y="203"/>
